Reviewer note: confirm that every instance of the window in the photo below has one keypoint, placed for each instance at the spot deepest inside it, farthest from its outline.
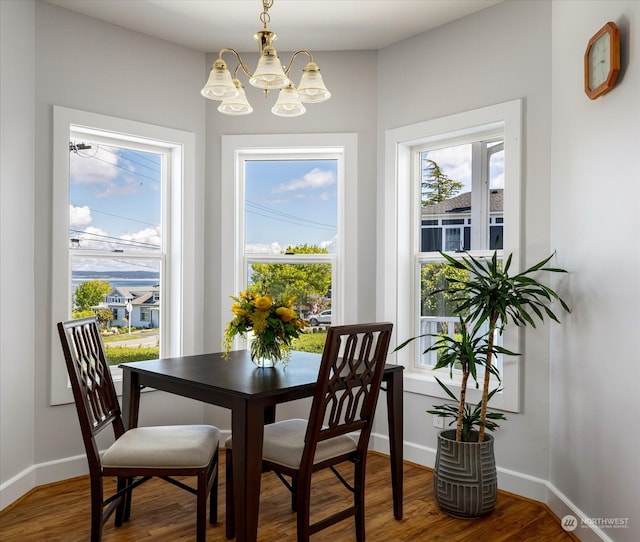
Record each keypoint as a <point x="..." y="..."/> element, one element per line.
<point x="461" y="187"/>
<point x="461" y="197"/>
<point x="290" y="225"/>
<point x="117" y="193"/>
<point x="451" y="185"/>
<point x="119" y="187"/>
<point x="287" y="199"/>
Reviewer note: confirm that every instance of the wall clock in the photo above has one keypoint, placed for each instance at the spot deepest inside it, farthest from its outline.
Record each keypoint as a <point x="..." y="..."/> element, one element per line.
<point x="602" y="61"/>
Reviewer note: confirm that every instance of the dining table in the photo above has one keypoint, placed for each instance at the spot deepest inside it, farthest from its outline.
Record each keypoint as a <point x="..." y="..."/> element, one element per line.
<point x="252" y="393"/>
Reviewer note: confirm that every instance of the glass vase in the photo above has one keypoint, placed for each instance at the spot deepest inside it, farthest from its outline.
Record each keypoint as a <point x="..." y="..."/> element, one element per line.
<point x="265" y="354"/>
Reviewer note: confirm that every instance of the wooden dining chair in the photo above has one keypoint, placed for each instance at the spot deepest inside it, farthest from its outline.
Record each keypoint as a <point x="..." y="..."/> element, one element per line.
<point x="139" y="453"/>
<point x="336" y="432"/>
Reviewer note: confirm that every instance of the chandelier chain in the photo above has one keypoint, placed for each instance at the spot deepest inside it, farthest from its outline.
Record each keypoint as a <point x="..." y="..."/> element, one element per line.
<point x="264" y="16"/>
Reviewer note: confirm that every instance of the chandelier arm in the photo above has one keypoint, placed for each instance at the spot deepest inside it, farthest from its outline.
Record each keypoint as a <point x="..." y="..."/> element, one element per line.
<point x="293" y="56"/>
<point x="241" y="63"/>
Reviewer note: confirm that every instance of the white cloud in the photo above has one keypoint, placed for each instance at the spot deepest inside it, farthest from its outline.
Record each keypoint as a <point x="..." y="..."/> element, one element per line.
<point x="93" y="166"/>
<point x="498" y="181"/>
<point x="79" y="217"/>
<point x="316" y="178"/>
<point x="149" y="236"/>
<point x="273" y="248"/>
<point x="331" y="245"/>
<point x="100" y="168"/>
<point x="93" y="238"/>
<point x="277" y="248"/>
<point x="455" y="162"/>
<point x="98" y="239"/>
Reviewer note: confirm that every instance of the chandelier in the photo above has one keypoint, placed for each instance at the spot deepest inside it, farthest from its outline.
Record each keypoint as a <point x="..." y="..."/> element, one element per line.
<point x="268" y="75"/>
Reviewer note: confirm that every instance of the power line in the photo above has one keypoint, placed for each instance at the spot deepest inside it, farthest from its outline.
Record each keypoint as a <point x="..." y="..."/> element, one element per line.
<point x="137" y="154"/>
<point x="138" y="264"/>
<point x="115" y="216"/>
<point x="111" y="239"/>
<point x="130" y="172"/>
<point x="286" y="217"/>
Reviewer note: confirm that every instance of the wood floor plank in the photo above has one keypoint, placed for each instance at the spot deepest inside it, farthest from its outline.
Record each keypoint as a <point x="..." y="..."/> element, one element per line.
<point x="162" y="513"/>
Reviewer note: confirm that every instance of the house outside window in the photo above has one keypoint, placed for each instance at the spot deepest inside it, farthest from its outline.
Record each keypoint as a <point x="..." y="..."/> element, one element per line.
<point x="118" y="192"/>
<point x="461" y="186"/>
<point x="451" y="185"/>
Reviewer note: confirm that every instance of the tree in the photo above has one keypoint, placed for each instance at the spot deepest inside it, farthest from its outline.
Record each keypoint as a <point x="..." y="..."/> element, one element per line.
<point x="437" y="186"/>
<point x="305" y="281"/>
<point x="103" y="316"/>
<point x="436" y="277"/>
<point x="90" y="294"/>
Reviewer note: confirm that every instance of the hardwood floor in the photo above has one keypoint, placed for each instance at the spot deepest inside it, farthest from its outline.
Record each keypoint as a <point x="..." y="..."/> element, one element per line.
<point x="60" y="513"/>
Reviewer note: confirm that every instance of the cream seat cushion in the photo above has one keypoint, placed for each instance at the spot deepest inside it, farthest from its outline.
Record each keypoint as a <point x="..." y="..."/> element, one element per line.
<point x="173" y="446"/>
<point x="284" y="444"/>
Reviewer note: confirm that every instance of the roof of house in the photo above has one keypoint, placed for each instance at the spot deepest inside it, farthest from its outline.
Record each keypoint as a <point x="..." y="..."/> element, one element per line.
<point x="142" y="295"/>
<point x="462" y="204"/>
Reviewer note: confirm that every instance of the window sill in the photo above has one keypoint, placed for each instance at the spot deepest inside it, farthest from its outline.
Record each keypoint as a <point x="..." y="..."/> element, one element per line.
<point x="424" y="383"/>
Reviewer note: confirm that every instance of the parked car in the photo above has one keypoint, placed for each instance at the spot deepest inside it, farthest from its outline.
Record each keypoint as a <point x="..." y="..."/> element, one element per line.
<point x="322" y="318"/>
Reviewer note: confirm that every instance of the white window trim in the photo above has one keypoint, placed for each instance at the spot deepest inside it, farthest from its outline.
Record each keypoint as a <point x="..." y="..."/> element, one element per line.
<point x="396" y="253"/>
<point x="180" y="322"/>
<point x="345" y="271"/>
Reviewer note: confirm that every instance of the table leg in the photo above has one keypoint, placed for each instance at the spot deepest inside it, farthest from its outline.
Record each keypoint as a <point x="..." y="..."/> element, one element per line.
<point x="395" y="417"/>
<point x="269" y="414"/>
<point x="130" y="399"/>
<point x="247" y="422"/>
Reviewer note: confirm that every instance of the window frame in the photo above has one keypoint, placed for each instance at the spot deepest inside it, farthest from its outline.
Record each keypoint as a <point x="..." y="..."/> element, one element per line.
<point x="180" y="332"/>
<point x="236" y="148"/>
<point x="399" y="256"/>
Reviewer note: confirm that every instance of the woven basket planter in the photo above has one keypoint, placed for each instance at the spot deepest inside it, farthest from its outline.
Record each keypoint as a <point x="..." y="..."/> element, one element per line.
<point x="465" y="480"/>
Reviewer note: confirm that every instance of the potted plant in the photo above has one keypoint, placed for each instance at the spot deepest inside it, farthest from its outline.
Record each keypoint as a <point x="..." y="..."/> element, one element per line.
<point x="485" y="297"/>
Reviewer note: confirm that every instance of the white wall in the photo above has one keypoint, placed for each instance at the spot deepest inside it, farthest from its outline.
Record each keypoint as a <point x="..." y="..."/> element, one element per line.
<point x="496" y="55"/>
<point x="17" y="300"/>
<point x="93" y="66"/>
<point x="595" y="220"/>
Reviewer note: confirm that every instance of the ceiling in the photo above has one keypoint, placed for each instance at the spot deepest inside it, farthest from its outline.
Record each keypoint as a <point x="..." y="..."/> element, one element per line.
<point x="316" y="25"/>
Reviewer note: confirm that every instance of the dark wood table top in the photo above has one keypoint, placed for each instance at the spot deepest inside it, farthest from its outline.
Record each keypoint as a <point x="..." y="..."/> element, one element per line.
<point x="238" y="376"/>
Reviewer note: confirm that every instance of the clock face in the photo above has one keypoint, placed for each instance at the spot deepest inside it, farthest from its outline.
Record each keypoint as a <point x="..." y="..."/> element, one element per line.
<point x="599" y="61"/>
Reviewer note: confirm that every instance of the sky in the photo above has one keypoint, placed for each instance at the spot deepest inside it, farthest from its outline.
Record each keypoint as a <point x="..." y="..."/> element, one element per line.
<point x="455" y="162"/>
<point x="115" y="202"/>
<point x="115" y="198"/>
<point x="290" y="202"/>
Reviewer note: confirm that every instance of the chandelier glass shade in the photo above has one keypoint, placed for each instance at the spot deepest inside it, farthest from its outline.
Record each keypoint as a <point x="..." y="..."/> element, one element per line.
<point x="268" y="75"/>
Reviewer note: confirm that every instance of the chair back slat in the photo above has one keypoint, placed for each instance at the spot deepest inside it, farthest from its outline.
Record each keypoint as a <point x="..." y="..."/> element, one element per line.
<point x="348" y="383"/>
<point x="91" y="381"/>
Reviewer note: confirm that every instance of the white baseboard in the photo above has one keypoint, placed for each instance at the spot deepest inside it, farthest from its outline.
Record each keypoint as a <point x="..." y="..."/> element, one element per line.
<point x="515" y="482"/>
<point x="41" y="474"/>
<point x="563" y="507"/>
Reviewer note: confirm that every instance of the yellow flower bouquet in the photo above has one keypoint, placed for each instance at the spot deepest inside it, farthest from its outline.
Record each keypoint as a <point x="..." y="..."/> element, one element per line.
<point x="273" y="322"/>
